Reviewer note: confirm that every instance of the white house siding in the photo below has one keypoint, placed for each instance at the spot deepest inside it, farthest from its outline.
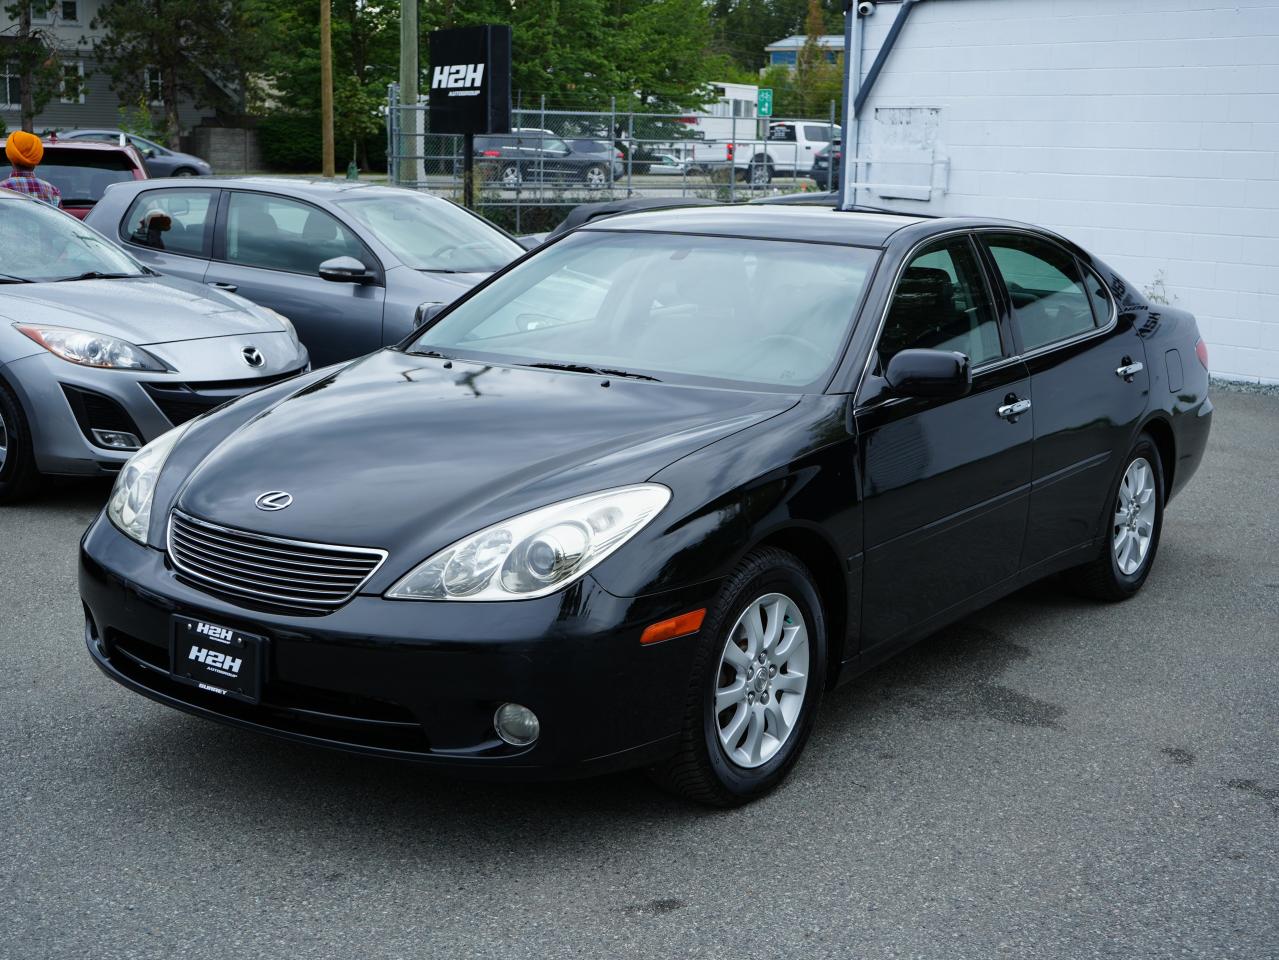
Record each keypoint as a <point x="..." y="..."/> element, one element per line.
<point x="1145" y="130"/>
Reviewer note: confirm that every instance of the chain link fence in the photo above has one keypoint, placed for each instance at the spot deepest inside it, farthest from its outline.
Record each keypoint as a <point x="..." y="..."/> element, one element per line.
<point x="553" y="160"/>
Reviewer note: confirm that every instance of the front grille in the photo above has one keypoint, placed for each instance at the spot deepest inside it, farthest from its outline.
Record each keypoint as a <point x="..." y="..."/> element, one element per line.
<point x="180" y="402"/>
<point x="284" y="573"/>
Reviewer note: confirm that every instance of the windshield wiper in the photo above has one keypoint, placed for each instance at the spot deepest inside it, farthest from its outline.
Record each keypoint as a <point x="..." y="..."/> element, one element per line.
<point x="598" y="371"/>
<point x="98" y="275"/>
<point x="10" y="278"/>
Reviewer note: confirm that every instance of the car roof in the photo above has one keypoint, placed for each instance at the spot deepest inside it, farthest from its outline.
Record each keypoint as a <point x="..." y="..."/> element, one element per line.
<point x="316" y="188"/>
<point x="811" y="224"/>
<point x="80" y="145"/>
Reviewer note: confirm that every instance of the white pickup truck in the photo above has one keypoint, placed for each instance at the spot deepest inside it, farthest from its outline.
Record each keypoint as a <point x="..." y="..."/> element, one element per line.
<point x="788" y="151"/>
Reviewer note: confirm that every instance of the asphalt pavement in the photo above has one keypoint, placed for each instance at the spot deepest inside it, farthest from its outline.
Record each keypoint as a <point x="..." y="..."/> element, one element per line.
<point x="1050" y="778"/>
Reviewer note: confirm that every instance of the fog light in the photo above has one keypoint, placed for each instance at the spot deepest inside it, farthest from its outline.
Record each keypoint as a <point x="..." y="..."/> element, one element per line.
<point x="516" y="725"/>
<point x="116" y="439"/>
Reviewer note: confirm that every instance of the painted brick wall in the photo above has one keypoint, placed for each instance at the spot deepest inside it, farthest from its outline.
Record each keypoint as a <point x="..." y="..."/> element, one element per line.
<point x="1145" y="130"/>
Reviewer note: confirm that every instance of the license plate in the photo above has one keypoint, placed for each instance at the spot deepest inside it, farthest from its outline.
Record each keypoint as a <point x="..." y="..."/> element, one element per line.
<point x="217" y="659"/>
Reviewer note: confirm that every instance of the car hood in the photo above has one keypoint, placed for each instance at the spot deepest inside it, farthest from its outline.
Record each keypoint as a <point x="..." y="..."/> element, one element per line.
<point x="403" y="453"/>
<point x="142" y="310"/>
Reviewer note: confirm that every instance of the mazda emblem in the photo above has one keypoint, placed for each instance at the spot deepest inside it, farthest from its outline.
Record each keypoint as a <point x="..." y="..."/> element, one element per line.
<point x="274" y="500"/>
<point x="253" y="356"/>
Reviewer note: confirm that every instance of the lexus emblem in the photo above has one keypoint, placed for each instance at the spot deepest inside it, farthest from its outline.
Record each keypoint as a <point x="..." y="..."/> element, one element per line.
<point x="253" y="357"/>
<point x="274" y="500"/>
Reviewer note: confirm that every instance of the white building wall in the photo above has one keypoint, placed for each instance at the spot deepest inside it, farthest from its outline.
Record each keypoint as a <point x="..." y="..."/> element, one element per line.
<point x="1145" y="130"/>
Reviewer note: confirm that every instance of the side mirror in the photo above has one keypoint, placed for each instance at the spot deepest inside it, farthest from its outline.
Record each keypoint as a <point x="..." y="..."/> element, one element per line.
<point x="149" y="153"/>
<point x="345" y="270"/>
<point x="929" y="373"/>
<point x="425" y="313"/>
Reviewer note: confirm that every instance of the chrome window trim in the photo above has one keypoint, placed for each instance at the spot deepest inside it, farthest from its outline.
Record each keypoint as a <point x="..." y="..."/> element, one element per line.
<point x="294" y="601"/>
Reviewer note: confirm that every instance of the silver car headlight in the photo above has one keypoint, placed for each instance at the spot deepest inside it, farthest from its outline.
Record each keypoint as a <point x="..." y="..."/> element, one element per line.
<point x="130" y="505"/>
<point x="538" y="552"/>
<point x="92" y="349"/>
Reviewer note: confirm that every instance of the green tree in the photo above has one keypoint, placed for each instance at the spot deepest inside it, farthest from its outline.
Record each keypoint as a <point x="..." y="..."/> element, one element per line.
<point x="818" y="81"/>
<point x="198" y="50"/>
<point x="34" y="52"/>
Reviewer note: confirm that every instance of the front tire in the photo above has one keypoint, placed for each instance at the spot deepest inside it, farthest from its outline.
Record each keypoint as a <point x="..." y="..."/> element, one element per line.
<point x="756" y="685"/>
<point x="595" y="177"/>
<point x="18" y="474"/>
<point x="1134" y="523"/>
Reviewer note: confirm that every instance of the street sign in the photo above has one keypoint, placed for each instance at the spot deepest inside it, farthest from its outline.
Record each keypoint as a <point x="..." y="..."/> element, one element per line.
<point x="471" y="80"/>
<point x="764" y="102"/>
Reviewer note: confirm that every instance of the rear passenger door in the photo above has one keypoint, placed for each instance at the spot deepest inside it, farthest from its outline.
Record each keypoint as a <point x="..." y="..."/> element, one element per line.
<point x="269" y="248"/>
<point x="172" y="230"/>
<point x="1088" y="380"/>
<point x="945" y="481"/>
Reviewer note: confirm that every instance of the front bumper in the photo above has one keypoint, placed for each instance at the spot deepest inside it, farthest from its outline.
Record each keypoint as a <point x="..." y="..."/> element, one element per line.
<point x="413" y="680"/>
<point x="64" y="403"/>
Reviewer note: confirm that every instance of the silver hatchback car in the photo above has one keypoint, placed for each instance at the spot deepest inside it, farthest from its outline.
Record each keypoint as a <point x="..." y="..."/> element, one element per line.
<point x="99" y="355"/>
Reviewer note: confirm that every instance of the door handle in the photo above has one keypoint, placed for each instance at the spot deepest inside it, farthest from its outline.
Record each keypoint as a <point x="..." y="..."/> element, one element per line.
<point x="1013" y="408"/>
<point x="1129" y="369"/>
<point x="219" y="285"/>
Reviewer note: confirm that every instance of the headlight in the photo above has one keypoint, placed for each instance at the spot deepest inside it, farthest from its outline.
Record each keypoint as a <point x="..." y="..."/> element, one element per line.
<point x="130" y="505"/>
<point x="91" y="349"/>
<point x="537" y="553"/>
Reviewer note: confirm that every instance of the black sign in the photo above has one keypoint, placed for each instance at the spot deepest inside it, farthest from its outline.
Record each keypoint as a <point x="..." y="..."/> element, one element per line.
<point x="470" y="76"/>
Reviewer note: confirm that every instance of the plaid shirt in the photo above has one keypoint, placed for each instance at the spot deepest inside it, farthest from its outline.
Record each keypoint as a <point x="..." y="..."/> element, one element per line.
<point x="26" y="181"/>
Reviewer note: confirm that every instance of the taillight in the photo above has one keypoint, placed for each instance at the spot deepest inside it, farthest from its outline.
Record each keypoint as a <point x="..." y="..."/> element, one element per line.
<point x="618" y="154"/>
<point x="729" y="150"/>
<point x="491" y="153"/>
<point x="1201" y="351"/>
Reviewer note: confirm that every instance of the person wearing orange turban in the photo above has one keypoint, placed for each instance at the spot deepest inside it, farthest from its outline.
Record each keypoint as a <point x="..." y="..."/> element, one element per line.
<point x="25" y="151"/>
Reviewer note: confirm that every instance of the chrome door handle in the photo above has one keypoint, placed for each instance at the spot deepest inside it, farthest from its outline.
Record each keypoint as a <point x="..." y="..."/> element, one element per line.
<point x="1129" y="370"/>
<point x="219" y="285"/>
<point x="1011" y="411"/>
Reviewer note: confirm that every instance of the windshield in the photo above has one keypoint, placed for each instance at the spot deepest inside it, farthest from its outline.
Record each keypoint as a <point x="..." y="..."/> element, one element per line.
<point x="82" y="176"/>
<point x="431" y="234"/>
<point x="38" y="243"/>
<point x="768" y="313"/>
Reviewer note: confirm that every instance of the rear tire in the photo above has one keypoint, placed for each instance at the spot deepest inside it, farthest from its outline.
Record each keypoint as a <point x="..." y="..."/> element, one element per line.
<point x="756" y="684"/>
<point x="1134" y="522"/>
<point x="18" y="474"/>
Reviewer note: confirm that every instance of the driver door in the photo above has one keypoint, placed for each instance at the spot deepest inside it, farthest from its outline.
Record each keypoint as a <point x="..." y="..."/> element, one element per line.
<point x="945" y="481"/>
<point x="269" y="248"/>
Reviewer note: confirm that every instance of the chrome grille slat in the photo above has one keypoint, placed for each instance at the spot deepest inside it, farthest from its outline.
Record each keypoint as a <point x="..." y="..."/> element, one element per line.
<point x="251" y="546"/>
<point x="223" y="555"/>
<point x="282" y="583"/>
<point x="273" y="569"/>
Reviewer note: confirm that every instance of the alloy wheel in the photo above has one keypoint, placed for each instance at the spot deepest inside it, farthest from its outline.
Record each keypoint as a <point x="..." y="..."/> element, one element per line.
<point x="762" y="679"/>
<point x="510" y="177"/>
<point x="596" y="178"/>
<point x="4" y="440"/>
<point x="1134" y="524"/>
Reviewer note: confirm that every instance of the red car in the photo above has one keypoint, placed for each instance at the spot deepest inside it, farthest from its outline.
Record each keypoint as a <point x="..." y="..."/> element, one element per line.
<point x="83" y="170"/>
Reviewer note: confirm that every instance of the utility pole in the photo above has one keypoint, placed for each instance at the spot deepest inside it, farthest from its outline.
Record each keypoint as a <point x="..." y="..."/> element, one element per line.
<point x="410" y="118"/>
<point x="326" y="87"/>
<point x="852" y="85"/>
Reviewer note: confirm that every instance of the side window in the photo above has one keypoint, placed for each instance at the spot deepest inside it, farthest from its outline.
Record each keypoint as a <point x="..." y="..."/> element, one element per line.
<point x="176" y="221"/>
<point x="941" y="303"/>
<point x="276" y="233"/>
<point x="1050" y="302"/>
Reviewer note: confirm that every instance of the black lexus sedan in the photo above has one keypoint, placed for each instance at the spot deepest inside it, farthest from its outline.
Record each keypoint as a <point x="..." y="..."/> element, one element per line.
<point x="643" y="496"/>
